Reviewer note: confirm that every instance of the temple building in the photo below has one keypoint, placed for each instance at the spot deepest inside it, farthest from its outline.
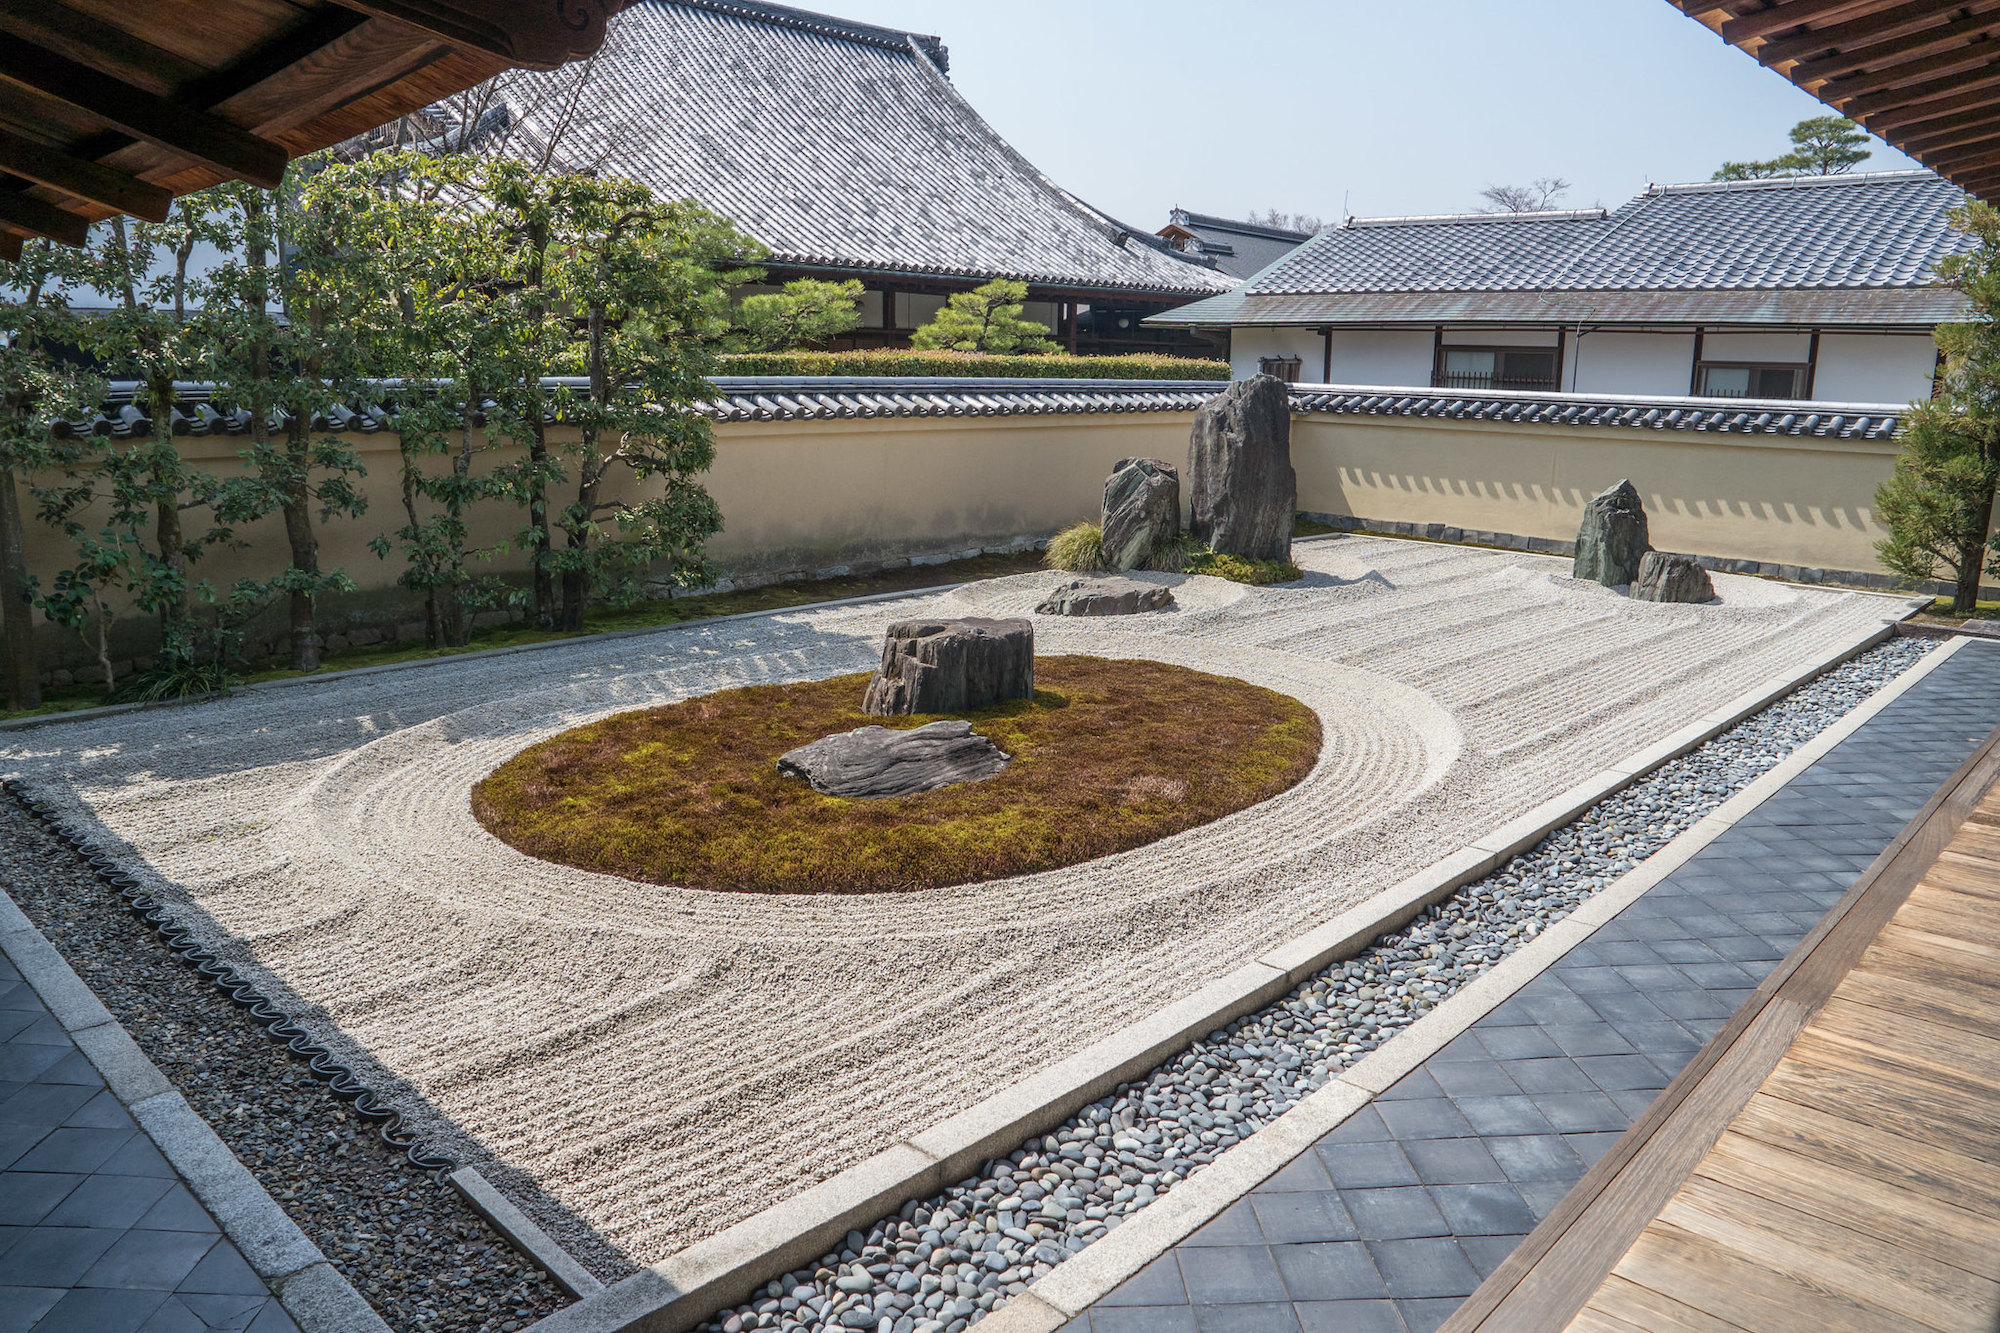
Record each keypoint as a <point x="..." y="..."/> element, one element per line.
<point x="846" y="150"/>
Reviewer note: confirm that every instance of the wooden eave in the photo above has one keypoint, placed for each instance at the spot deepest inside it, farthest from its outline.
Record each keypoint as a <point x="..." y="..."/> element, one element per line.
<point x="1924" y="75"/>
<point x="116" y="106"/>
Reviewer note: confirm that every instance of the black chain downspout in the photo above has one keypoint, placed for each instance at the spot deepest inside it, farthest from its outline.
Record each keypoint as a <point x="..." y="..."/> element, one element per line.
<point x="339" y="1079"/>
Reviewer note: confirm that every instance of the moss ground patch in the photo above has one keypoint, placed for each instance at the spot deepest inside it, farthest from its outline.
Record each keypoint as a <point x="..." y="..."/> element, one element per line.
<point x="1108" y="756"/>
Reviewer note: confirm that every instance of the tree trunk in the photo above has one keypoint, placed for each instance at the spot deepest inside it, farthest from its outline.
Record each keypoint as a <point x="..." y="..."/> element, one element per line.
<point x="24" y="671"/>
<point x="1972" y="562"/>
<point x="589" y="472"/>
<point x="538" y="522"/>
<point x="305" y="559"/>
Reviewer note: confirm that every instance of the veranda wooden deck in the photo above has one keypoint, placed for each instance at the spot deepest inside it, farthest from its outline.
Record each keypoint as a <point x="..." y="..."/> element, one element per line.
<point x="1831" y="1160"/>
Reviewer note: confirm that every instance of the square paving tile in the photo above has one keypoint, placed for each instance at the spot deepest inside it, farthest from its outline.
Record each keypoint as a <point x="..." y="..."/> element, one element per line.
<point x="1484" y="1210"/>
<point x="1419" y="1268"/>
<point x="153" y="1260"/>
<point x="1452" y="1161"/>
<point x="1338" y="1271"/>
<point x="1365" y="1165"/>
<point x="1394" y="1214"/>
<point x="1270" y="1317"/>
<point x="1350" y="1317"/>
<point x="1502" y="1115"/>
<point x="1290" y="1219"/>
<point x="1536" y="1157"/>
<point x="108" y="1201"/>
<point x="1141" y="1319"/>
<point x="1431" y="1118"/>
<point x="1235" y="1225"/>
<point x="54" y="1256"/>
<point x="1230" y="1274"/>
<point x="1303" y="1172"/>
<point x="74" y="1150"/>
<point x="101" y="1311"/>
<point x="1581" y="1112"/>
<point x="20" y="1307"/>
<point x="1158" y="1283"/>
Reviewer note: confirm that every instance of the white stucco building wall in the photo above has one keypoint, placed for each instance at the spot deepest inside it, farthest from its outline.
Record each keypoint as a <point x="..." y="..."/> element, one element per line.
<point x="1874" y="367"/>
<point x="1615" y="361"/>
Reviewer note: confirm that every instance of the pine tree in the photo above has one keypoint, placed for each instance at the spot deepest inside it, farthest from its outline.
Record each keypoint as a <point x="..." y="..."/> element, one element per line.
<point x="1938" y="503"/>
<point x="985" y="319"/>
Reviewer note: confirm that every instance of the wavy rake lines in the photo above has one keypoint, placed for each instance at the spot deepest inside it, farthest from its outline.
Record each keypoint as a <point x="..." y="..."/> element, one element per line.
<point x="339" y="1079"/>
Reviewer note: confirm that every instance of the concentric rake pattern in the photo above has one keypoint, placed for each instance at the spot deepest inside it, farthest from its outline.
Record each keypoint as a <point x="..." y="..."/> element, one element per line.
<point x="339" y="1079"/>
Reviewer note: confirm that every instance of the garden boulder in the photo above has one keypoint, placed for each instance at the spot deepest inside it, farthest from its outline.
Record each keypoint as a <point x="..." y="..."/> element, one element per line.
<point x="875" y="761"/>
<point x="1613" y="537"/>
<point x="1142" y="510"/>
<point x="1242" y="492"/>
<point x="1665" y="577"/>
<point x="1105" y="597"/>
<point x="952" y="666"/>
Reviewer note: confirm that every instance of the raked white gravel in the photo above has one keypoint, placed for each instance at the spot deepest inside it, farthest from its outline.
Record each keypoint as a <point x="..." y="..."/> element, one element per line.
<point x="642" y="1066"/>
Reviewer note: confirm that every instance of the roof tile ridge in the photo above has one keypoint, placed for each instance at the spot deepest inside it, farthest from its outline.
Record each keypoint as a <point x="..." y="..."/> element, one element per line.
<point x="1800" y="182"/>
<point x="806" y="20"/>
<point x="1355" y="223"/>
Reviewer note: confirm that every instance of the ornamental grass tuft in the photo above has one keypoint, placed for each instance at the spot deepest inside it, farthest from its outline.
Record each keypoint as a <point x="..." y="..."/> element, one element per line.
<point x="1080" y="550"/>
<point x="1107" y="756"/>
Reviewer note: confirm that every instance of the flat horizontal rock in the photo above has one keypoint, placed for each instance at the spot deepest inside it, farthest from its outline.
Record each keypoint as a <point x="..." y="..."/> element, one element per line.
<point x="1105" y="597"/>
<point x="876" y="761"/>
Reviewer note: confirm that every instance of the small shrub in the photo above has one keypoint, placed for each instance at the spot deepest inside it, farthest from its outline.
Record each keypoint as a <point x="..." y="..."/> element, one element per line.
<point x="1242" y="569"/>
<point x="1080" y="550"/>
<point x="1177" y="554"/>
<point x="963" y="365"/>
<point x="172" y="680"/>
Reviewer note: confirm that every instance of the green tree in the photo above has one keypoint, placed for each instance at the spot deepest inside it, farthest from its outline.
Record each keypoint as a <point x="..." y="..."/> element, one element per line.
<point x="642" y="274"/>
<point x="1821" y="146"/>
<point x="1938" y="502"/>
<point x="985" y="319"/>
<point x="806" y="313"/>
<point x="37" y="392"/>
<point x="296" y="370"/>
<point x="160" y="513"/>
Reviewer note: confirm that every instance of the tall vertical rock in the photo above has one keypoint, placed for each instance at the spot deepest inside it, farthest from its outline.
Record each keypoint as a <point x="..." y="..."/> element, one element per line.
<point x="1242" y="491"/>
<point x="1613" y="537"/>
<point x="1142" y="510"/>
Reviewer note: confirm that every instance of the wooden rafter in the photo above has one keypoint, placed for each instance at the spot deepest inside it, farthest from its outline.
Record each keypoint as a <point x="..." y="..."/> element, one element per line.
<point x="117" y="105"/>
<point x="1922" y="74"/>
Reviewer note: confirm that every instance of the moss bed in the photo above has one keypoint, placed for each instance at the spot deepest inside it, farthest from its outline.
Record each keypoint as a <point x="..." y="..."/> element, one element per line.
<point x="1107" y="756"/>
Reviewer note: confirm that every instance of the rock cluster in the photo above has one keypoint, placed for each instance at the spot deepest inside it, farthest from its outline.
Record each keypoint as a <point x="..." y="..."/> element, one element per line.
<point x="875" y="761"/>
<point x="1243" y="493"/>
<point x="1105" y="597"/>
<point x="1665" y="577"/>
<point x="1142" y="511"/>
<point x="1613" y="537"/>
<point x="952" y="666"/>
<point x="942" y="1263"/>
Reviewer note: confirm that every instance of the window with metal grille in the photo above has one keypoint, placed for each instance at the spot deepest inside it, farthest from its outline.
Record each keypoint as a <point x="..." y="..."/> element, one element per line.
<point x="1496" y="368"/>
<point x="1725" y="379"/>
<point x="1285" y="368"/>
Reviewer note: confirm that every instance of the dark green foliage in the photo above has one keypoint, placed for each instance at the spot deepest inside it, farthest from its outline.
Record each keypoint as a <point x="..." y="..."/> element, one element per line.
<point x="1821" y="146"/>
<point x="805" y="313"/>
<point x="985" y="319"/>
<point x="1938" y="503"/>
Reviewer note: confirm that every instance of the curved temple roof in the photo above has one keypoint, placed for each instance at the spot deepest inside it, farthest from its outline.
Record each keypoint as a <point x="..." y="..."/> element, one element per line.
<point x="843" y="146"/>
<point x="1804" y="250"/>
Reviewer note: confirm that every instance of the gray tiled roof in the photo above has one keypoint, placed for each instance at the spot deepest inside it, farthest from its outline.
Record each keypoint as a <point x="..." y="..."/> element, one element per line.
<point x="1834" y="249"/>
<point x="1238" y="248"/>
<point x="796" y="398"/>
<point x="844" y="146"/>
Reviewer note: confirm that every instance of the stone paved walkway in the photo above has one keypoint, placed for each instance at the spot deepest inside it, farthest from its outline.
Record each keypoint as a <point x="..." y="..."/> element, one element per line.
<point x="97" y="1233"/>
<point x="1398" y="1214"/>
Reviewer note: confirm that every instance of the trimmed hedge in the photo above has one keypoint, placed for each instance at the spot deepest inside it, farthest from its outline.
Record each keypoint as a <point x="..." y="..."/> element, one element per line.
<point x="968" y="365"/>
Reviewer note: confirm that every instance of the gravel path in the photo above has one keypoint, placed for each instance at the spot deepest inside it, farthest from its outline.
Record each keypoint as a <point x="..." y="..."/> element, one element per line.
<point x="943" y="1263"/>
<point x="642" y="1066"/>
<point x="412" y="1248"/>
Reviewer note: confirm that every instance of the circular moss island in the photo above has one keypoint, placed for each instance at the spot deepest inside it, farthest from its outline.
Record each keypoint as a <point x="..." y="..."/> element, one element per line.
<point x="1107" y="756"/>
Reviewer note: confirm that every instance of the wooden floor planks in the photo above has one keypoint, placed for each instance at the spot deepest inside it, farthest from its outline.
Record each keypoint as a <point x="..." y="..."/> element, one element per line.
<point x="1831" y="1160"/>
<point x="1860" y="1186"/>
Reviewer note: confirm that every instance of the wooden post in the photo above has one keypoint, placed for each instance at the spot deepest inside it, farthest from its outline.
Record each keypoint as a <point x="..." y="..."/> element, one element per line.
<point x="1812" y="364"/>
<point x="1694" y="370"/>
<point x="1326" y="355"/>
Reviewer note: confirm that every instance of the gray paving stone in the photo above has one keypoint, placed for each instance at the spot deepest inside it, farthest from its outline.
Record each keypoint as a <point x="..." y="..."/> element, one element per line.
<point x="1289" y="1219"/>
<point x="1230" y="1274"/>
<point x="1269" y="1317"/>
<point x="21" y="1307"/>
<point x="1366" y="1165"/>
<point x="1158" y="1283"/>
<point x="153" y="1260"/>
<point x="1338" y="1271"/>
<point x="1350" y="1317"/>
<point x="54" y="1256"/>
<point x="1483" y="1210"/>
<point x="1452" y="1161"/>
<point x="1395" y="1214"/>
<point x="101" y="1311"/>
<point x="1142" y="1319"/>
<point x="1237" y="1225"/>
<point x="1423" y="1267"/>
<point x="108" y="1201"/>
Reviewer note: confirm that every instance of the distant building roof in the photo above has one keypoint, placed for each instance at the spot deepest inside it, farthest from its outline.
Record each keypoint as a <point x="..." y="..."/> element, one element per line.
<point x="1237" y="248"/>
<point x="1855" y="249"/>
<point x="842" y="146"/>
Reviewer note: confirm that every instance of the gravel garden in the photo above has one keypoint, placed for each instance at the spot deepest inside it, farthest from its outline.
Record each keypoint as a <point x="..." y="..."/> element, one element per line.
<point x="641" y="1065"/>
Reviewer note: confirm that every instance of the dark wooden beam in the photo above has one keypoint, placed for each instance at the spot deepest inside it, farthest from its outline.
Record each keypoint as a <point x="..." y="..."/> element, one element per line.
<point x="1836" y="92"/>
<point x="1887" y="56"/>
<point x="1976" y="109"/>
<point x="39" y="219"/>
<point x="85" y="180"/>
<point x="1918" y="98"/>
<point x="1989" y="128"/>
<point x="1950" y="164"/>
<point x="1861" y="33"/>
<point x="537" y="34"/>
<point x="207" y="139"/>
<point x="1779" y="18"/>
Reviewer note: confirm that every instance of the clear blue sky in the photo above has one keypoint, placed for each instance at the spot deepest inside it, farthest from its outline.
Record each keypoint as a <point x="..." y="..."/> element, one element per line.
<point x="1223" y="106"/>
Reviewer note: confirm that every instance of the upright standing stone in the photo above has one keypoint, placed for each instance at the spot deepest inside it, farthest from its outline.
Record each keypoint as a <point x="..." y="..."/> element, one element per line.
<point x="1142" y="510"/>
<point x="1241" y="488"/>
<point x="952" y="666"/>
<point x="1671" y="578"/>
<point x="1612" y="538"/>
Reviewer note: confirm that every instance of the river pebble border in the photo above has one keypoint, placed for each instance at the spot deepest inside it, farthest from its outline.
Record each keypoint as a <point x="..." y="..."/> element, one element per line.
<point x="943" y="1263"/>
